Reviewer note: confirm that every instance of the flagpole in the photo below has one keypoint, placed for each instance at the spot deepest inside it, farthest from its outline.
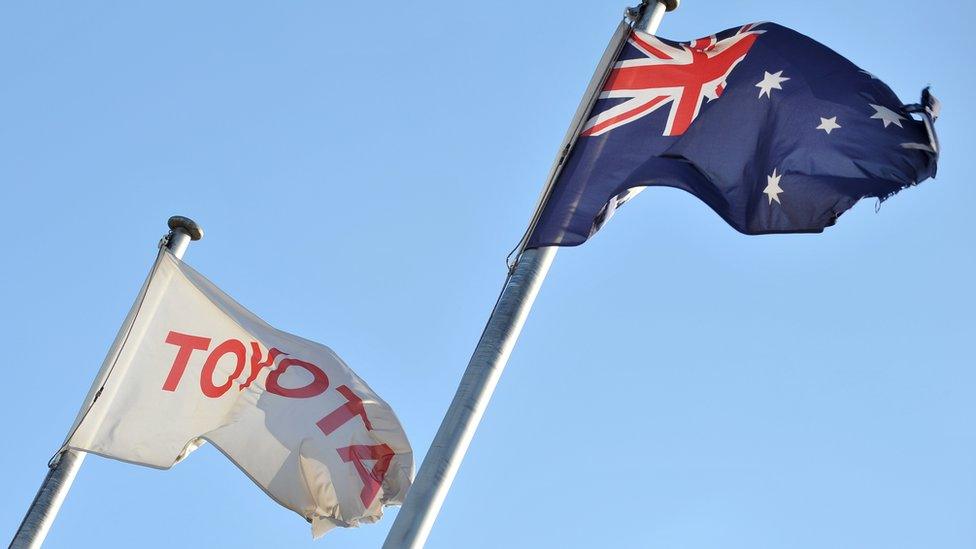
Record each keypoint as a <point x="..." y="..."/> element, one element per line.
<point x="65" y="465"/>
<point x="425" y="498"/>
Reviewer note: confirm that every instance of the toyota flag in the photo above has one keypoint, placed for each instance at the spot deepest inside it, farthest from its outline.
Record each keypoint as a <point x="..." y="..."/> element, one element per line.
<point x="197" y="366"/>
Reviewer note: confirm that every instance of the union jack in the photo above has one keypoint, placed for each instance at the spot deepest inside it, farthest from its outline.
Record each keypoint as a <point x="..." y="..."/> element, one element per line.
<point x="682" y="74"/>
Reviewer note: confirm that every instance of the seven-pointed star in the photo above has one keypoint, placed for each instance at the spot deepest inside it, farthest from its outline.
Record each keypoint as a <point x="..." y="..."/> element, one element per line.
<point x="886" y="115"/>
<point x="828" y="124"/>
<point x="770" y="82"/>
<point x="772" y="187"/>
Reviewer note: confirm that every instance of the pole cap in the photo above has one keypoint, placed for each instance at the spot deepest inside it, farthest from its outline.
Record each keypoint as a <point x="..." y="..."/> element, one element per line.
<point x="188" y="226"/>
<point x="670" y="5"/>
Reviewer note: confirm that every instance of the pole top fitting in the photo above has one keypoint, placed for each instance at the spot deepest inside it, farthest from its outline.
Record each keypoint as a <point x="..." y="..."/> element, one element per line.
<point x="646" y="7"/>
<point x="188" y="226"/>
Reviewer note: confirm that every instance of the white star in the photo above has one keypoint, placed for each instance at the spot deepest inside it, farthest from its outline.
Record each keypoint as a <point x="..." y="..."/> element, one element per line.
<point x="887" y="115"/>
<point x="772" y="187"/>
<point x="828" y="124"/>
<point x="770" y="82"/>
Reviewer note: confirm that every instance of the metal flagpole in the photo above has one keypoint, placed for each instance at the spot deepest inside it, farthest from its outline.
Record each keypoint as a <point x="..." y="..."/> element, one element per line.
<point x="424" y="500"/>
<point x="65" y="465"/>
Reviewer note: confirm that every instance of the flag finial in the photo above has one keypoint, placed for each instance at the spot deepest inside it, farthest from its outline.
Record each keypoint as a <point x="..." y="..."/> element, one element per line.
<point x="188" y="225"/>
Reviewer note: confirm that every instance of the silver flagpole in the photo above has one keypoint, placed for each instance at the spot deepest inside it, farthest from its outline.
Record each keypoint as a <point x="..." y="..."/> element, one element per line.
<point x="65" y="465"/>
<point x="423" y="502"/>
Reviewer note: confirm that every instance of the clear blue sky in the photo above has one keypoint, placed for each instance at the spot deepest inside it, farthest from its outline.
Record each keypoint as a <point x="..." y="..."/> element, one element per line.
<point x="362" y="170"/>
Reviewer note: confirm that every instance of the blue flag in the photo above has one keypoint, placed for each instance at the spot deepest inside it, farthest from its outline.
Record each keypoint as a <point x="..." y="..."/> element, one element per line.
<point x="774" y="131"/>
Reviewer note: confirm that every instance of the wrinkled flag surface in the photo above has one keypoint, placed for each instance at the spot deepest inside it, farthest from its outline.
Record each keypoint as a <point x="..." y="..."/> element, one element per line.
<point x="196" y="366"/>
<point x="773" y="130"/>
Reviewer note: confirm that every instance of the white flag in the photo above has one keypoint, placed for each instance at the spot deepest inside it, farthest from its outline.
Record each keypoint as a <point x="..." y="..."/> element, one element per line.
<point x="195" y="365"/>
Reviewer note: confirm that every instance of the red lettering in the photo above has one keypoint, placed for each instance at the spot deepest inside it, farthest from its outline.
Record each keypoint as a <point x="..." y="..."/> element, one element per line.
<point x="256" y="363"/>
<point x="231" y="346"/>
<point x="318" y="385"/>
<point x="187" y="345"/>
<point x="352" y="408"/>
<point x="372" y="480"/>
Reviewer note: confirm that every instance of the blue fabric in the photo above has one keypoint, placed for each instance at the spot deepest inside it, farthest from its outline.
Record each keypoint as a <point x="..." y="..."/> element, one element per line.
<point x="730" y="150"/>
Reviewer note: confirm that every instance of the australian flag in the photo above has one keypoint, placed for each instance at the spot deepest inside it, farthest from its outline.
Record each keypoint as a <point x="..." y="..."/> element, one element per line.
<point x="774" y="131"/>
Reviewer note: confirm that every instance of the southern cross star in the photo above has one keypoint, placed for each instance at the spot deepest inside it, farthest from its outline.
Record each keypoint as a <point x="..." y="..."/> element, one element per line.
<point x="772" y="187"/>
<point x="886" y="115"/>
<point x="828" y="124"/>
<point x="770" y="82"/>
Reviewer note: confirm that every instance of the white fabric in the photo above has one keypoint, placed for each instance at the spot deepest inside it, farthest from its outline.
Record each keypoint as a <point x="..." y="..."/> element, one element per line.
<point x="274" y="429"/>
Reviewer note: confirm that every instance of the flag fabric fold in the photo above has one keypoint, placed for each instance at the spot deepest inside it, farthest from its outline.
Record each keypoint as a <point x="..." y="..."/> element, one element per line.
<point x="774" y="131"/>
<point x="197" y="366"/>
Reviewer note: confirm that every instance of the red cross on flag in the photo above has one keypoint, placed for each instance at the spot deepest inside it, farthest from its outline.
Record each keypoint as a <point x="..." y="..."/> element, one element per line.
<point x="666" y="73"/>
<point x="197" y="366"/>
